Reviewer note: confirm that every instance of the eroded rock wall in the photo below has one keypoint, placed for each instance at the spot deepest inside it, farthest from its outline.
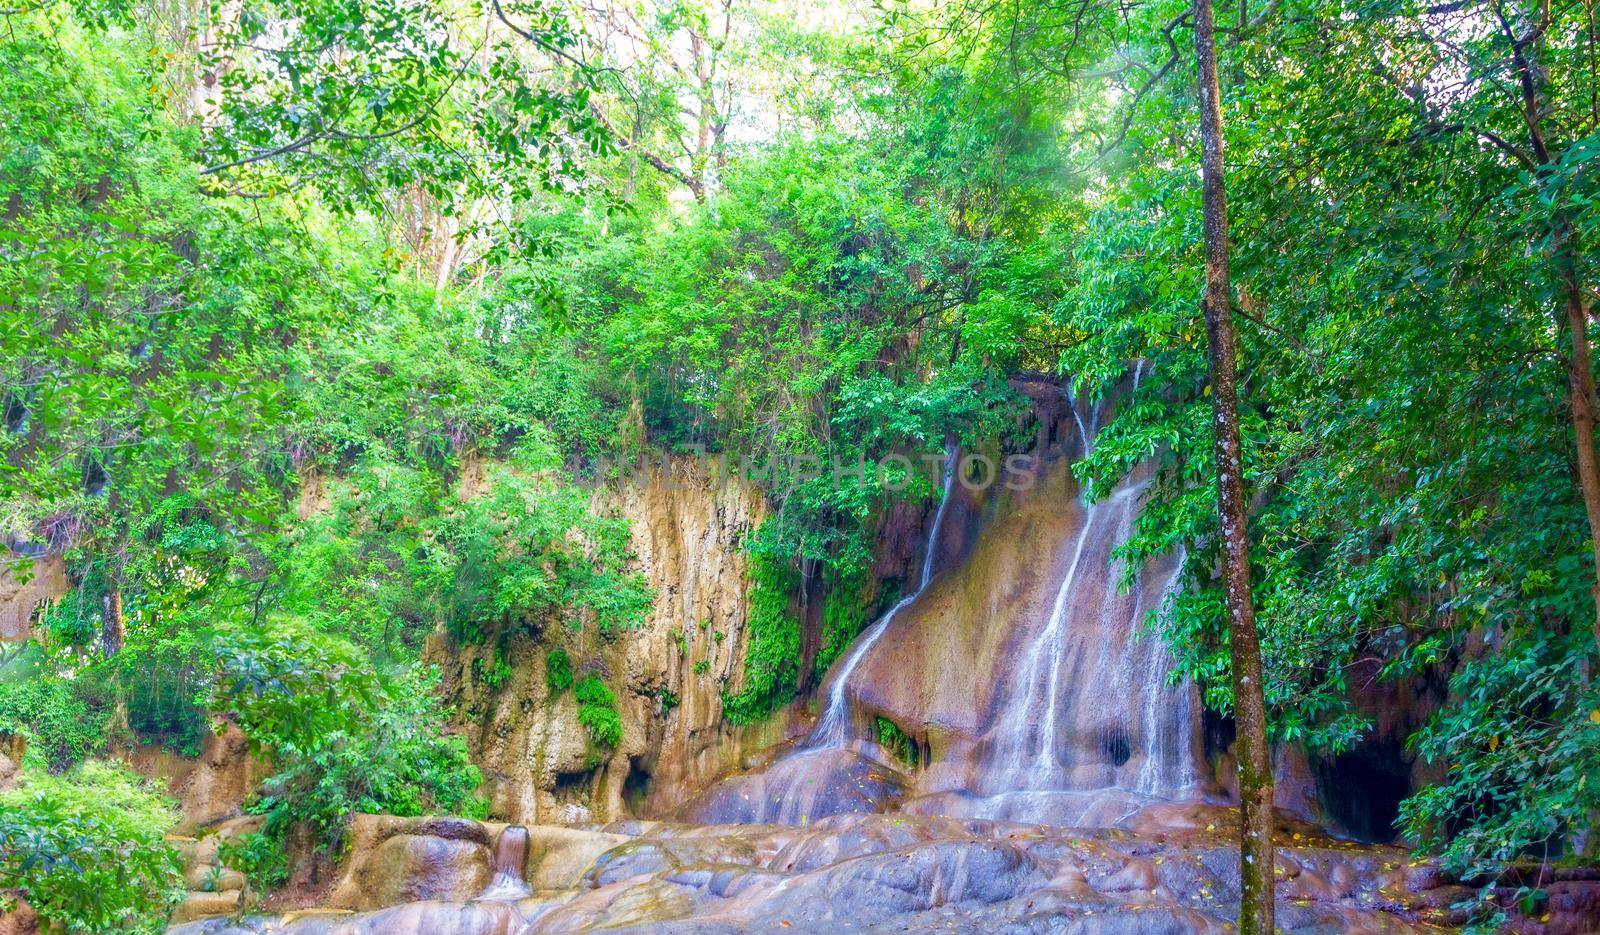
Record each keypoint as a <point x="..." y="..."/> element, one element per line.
<point x="688" y="524"/>
<point x="26" y="583"/>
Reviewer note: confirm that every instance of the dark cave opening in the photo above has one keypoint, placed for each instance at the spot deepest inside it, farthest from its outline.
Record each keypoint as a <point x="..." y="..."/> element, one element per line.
<point x="1362" y="790"/>
<point x="636" y="787"/>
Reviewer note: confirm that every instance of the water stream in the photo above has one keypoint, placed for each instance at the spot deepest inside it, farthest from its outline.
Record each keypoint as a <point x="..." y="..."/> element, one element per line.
<point x="1024" y="668"/>
<point x="509" y="864"/>
<point x="833" y="728"/>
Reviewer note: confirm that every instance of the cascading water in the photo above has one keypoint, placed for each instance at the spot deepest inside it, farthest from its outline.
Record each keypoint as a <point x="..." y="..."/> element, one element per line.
<point x="1028" y="747"/>
<point x="1090" y="706"/>
<point x="1023" y="666"/>
<point x="1169" y="754"/>
<point x="509" y="864"/>
<point x="833" y="728"/>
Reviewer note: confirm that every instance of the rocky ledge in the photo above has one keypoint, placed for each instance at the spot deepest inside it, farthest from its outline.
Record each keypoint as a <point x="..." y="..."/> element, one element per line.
<point x="886" y="872"/>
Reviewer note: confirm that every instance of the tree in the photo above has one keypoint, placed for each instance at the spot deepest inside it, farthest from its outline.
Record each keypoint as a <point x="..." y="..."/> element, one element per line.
<point x="1250" y="714"/>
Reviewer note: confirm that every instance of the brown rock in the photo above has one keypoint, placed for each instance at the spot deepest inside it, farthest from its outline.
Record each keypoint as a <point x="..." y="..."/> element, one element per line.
<point x="23" y="587"/>
<point x="397" y="860"/>
<point x="12" y="748"/>
<point x="19" y="921"/>
<point x="206" y="905"/>
<point x="211" y="788"/>
<point x="558" y="857"/>
<point x="688" y="526"/>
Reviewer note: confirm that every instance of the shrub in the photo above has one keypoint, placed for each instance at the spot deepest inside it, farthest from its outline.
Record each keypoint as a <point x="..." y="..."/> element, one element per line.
<point x="345" y="739"/>
<point x="558" y="671"/>
<point x="85" y="849"/>
<point x="597" y="711"/>
<point x="62" y="727"/>
<point x="260" y="857"/>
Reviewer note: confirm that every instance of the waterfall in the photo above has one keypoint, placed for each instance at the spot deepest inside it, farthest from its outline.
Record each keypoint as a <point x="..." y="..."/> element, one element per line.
<point x="833" y="728"/>
<point x="1083" y="433"/>
<point x="1088" y="705"/>
<point x="510" y="860"/>
<point x="1049" y="706"/>
<point x="1169" y="756"/>
<point x="1028" y="750"/>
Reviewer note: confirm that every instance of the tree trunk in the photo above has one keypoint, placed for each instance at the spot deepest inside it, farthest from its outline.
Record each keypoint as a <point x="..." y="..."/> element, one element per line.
<point x="1527" y="49"/>
<point x="1581" y="399"/>
<point x="1255" y="768"/>
<point x="112" y="633"/>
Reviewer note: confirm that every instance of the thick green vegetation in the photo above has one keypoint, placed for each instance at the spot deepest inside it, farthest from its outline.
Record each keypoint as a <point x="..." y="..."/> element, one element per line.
<point x="85" y="850"/>
<point x="313" y="358"/>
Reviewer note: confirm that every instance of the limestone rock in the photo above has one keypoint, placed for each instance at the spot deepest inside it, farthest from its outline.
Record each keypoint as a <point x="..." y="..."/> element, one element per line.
<point x="23" y="587"/>
<point x="558" y="857"/>
<point x="688" y="524"/>
<point x="398" y="860"/>
<point x="198" y="905"/>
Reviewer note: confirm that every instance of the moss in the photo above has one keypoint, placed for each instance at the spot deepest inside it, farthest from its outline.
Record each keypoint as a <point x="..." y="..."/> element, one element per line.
<point x="772" y="660"/>
<point x="844" y="614"/>
<point x="899" y="743"/>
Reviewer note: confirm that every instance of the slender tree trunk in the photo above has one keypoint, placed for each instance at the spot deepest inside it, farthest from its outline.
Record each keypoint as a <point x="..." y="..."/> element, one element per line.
<point x="112" y="632"/>
<point x="1582" y="400"/>
<point x="1527" y="50"/>
<point x="1250" y="714"/>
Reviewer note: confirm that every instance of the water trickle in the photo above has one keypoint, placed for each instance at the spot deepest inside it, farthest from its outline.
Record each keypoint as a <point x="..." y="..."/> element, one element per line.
<point x="1169" y="711"/>
<point x="1027" y="661"/>
<point x="833" y="728"/>
<point x="1083" y="433"/>
<point x="509" y="863"/>
<point x="1027" y="748"/>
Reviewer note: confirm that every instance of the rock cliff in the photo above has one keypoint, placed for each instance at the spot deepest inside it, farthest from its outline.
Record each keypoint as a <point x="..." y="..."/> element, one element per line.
<point x="688" y="525"/>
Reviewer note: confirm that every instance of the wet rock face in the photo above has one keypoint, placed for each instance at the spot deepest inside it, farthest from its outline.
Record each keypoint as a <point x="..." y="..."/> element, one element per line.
<point x="210" y="788"/>
<point x="1021" y="665"/>
<point x="800" y="788"/>
<point x="24" y="587"/>
<point x="12" y="749"/>
<point x="915" y="873"/>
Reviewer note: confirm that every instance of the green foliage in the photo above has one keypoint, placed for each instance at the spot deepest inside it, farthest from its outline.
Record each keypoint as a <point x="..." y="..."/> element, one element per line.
<point x="447" y="504"/>
<point x="493" y="674"/>
<point x="899" y="744"/>
<point x="343" y="738"/>
<point x="597" y="711"/>
<point x="365" y="99"/>
<point x="257" y="855"/>
<point x="772" y="656"/>
<point x="558" y="671"/>
<point x="61" y="726"/>
<point x="1525" y="781"/>
<point x="770" y="325"/>
<point x="843" y="615"/>
<point x="85" y="849"/>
